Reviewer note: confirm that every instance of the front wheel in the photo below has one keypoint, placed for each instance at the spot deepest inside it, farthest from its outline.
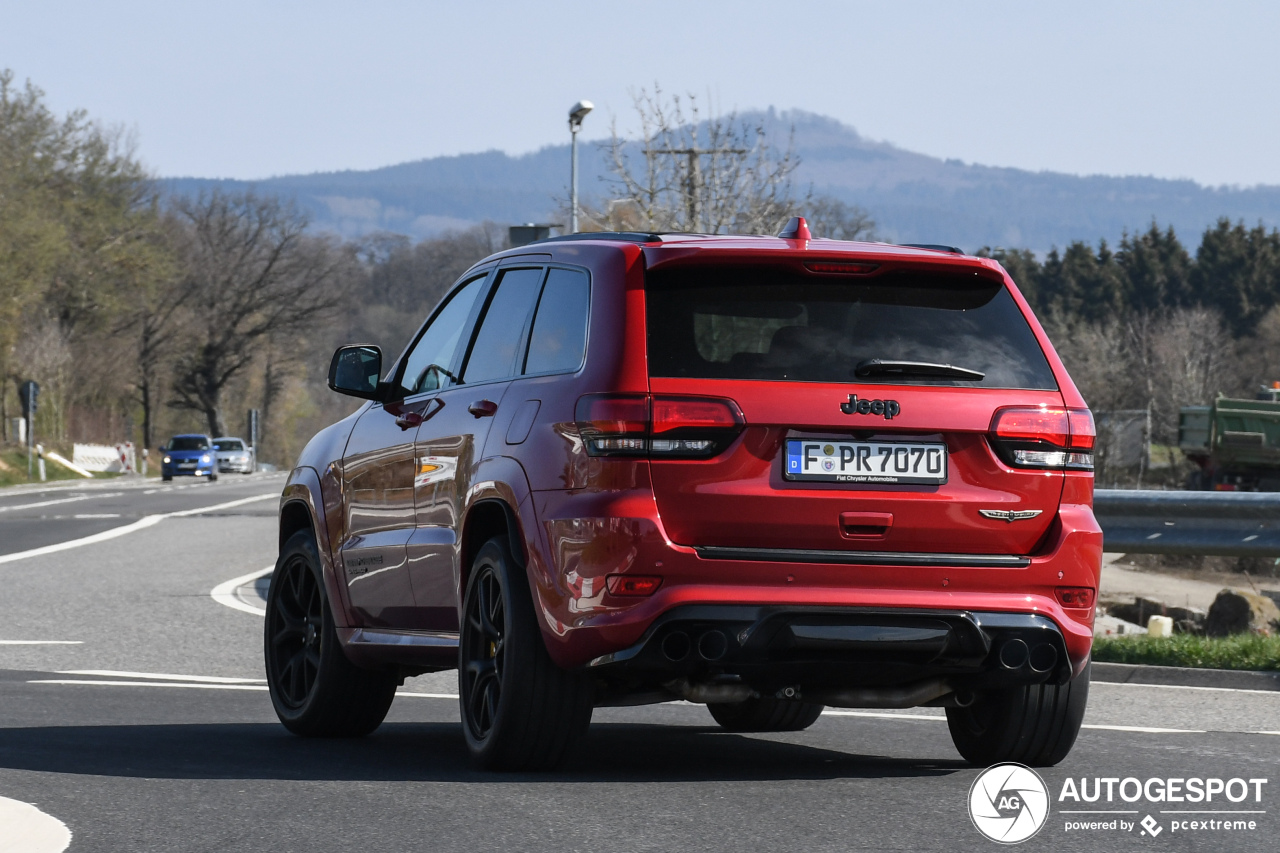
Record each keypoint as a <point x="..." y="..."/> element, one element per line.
<point x="1035" y="724"/>
<point x="519" y="710"/>
<point x="316" y="691"/>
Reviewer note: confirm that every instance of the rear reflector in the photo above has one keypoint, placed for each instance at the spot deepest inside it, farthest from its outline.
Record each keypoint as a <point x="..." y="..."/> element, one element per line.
<point x="633" y="585"/>
<point x="1044" y="437"/>
<point x="1076" y="596"/>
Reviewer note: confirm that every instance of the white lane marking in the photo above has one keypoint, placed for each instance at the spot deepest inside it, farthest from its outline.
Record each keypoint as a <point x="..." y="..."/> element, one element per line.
<point x="29" y="830"/>
<point x="1150" y="730"/>
<point x="1267" y="733"/>
<point x="225" y="593"/>
<point x="150" y="684"/>
<point x="1275" y="693"/>
<point x="216" y="507"/>
<point x="96" y="515"/>
<point x="427" y="695"/>
<point x="140" y="524"/>
<point x="163" y="676"/>
<point x="41" y="642"/>
<point x="882" y="715"/>
<point x="59" y="501"/>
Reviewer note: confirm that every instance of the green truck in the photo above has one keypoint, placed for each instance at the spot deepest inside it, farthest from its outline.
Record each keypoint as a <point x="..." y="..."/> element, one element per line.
<point x="1235" y="443"/>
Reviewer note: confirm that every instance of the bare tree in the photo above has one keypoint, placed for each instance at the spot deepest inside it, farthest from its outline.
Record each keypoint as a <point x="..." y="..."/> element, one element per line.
<point x="712" y="174"/>
<point x="831" y="218"/>
<point x="253" y="275"/>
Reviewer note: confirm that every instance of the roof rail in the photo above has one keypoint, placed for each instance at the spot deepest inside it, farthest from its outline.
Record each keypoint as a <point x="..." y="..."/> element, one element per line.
<point x="935" y="247"/>
<point x="617" y="236"/>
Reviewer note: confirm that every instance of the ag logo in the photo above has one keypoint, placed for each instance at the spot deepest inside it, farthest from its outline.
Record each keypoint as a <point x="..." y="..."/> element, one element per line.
<point x="1008" y="803"/>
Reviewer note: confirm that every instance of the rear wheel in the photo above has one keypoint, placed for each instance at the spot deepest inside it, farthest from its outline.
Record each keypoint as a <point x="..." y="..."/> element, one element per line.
<point x="316" y="691"/>
<point x="519" y="710"/>
<point x="1035" y="724"/>
<point x="765" y="714"/>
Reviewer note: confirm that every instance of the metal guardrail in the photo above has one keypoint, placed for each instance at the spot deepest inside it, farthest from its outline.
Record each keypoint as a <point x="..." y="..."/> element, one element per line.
<point x="1224" y="524"/>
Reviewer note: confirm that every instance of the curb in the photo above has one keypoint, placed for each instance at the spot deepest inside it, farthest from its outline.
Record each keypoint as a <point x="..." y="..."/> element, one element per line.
<point x="1181" y="676"/>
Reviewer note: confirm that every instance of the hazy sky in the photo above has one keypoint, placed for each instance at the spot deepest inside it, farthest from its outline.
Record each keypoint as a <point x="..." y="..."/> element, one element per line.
<point x="248" y="90"/>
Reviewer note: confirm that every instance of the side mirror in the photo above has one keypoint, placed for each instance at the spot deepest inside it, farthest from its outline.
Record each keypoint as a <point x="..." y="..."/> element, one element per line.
<point x="356" y="371"/>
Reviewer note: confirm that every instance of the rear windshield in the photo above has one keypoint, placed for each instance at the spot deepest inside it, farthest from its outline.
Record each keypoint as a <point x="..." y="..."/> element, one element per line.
<point x="757" y="323"/>
<point x="188" y="443"/>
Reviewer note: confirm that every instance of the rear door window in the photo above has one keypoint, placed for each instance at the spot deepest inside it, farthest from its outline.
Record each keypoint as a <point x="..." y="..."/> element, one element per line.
<point x="776" y="324"/>
<point x="501" y="336"/>
<point x="559" y="337"/>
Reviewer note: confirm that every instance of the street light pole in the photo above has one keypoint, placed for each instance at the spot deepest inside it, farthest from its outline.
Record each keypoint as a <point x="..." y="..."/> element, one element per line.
<point x="576" y="115"/>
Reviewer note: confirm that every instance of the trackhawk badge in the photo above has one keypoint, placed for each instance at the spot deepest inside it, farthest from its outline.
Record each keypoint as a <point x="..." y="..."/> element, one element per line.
<point x="1010" y="515"/>
<point x="888" y="408"/>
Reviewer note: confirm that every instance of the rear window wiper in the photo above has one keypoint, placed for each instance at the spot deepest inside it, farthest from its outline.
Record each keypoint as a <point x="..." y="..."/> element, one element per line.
<point x="885" y="367"/>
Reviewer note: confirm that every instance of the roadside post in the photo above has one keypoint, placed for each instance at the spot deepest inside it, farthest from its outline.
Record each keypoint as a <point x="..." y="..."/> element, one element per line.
<point x="144" y="463"/>
<point x="28" y="392"/>
<point x="253" y="430"/>
<point x="40" y="460"/>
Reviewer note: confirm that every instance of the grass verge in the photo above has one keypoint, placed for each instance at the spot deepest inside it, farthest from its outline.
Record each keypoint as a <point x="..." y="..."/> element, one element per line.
<point x="13" y="469"/>
<point x="1242" y="651"/>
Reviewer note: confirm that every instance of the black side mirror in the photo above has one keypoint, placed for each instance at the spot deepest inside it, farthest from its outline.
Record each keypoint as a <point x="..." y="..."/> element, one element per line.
<point x="356" y="371"/>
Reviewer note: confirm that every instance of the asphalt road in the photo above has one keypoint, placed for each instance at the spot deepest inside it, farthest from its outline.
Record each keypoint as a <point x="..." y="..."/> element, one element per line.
<point x="132" y="709"/>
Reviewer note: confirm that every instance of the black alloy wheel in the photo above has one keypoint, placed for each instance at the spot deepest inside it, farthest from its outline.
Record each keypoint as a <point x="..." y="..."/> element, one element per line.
<point x="315" y="690"/>
<point x="295" y="621"/>
<point x="484" y="653"/>
<point x="519" y="710"/>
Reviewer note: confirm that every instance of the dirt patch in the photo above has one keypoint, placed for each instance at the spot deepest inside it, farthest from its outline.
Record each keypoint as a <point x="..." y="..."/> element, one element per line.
<point x="1229" y="571"/>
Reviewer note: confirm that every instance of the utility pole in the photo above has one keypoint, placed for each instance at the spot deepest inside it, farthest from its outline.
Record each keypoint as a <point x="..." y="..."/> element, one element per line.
<point x="576" y="114"/>
<point x="693" y="177"/>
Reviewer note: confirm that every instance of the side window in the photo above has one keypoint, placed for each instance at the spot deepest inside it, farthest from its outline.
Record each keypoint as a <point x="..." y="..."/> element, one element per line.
<point x="427" y="366"/>
<point x="493" y="355"/>
<point x="559" y="336"/>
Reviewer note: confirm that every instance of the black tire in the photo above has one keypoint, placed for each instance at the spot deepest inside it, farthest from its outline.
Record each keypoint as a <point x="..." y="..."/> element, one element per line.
<point x="765" y="714"/>
<point x="316" y="691"/>
<point x="213" y="478"/>
<point x="166" y="479"/>
<point x="519" y="710"/>
<point x="1035" y="725"/>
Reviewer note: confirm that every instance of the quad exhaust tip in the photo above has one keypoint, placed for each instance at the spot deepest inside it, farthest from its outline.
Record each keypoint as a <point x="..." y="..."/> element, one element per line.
<point x="676" y="646"/>
<point x="1015" y="655"/>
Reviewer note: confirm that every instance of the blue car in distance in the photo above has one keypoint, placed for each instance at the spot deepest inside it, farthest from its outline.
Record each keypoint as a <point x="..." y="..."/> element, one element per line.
<point x="189" y="456"/>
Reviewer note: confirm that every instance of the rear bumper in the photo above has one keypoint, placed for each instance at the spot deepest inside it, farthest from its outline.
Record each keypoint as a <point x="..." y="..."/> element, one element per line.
<point x="587" y="538"/>
<point x="827" y="653"/>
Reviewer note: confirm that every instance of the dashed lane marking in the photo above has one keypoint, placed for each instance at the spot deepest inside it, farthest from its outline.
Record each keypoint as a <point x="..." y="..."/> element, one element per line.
<point x="1094" y="684"/>
<point x="199" y="686"/>
<point x="59" y="501"/>
<point x="29" y="830"/>
<point x="225" y="593"/>
<point x="140" y="524"/>
<point x="41" y="642"/>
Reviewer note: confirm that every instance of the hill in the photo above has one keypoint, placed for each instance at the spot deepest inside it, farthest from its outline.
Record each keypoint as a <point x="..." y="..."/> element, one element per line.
<point x="913" y="197"/>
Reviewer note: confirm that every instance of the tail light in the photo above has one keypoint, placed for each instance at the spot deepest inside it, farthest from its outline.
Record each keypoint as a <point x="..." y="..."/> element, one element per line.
<point x="1044" y="437"/>
<point x="657" y="426"/>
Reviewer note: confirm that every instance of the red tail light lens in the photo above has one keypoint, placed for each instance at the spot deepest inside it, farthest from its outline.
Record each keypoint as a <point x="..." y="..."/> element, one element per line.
<point x="637" y="425"/>
<point x="1044" y="437"/>
<point x="1076" y="596"/>
<point x="633" y="585"/>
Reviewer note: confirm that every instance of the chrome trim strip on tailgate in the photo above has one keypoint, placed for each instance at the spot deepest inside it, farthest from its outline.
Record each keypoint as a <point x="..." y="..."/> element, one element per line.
<point x="862" y="558"/>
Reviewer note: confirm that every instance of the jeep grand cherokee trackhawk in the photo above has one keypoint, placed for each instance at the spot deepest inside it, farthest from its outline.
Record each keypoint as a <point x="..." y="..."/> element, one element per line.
<point x="764" y="474"/>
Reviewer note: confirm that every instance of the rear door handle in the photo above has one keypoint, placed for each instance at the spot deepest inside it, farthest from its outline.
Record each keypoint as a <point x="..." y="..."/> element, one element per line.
<point x="483" y="408"/>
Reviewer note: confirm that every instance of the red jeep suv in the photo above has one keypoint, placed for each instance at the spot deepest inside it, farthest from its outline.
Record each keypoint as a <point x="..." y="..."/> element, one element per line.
<point x="764" y="474"/>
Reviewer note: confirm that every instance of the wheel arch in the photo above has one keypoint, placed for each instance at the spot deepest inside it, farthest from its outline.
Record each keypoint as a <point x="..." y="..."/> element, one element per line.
<point x="485" y="519"/>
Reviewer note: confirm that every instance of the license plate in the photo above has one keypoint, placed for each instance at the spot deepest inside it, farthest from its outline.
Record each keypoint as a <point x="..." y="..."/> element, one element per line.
<point x="899" y="463"/>
<point x="186" y="464"/>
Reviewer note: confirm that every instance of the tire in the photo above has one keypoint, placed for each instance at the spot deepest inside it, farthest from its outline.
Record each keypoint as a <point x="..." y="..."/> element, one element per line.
<point x="213" y="477"/>
<point x="519" y="710"/>
<point x="1035" y="724"/>
<point x="765" y="714"/>
<point x="165" y="479"/>
<point x="316" y="691"/>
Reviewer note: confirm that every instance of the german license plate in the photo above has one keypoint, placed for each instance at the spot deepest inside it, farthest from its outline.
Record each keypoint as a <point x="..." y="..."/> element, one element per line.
<point x="898" y="463"/>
